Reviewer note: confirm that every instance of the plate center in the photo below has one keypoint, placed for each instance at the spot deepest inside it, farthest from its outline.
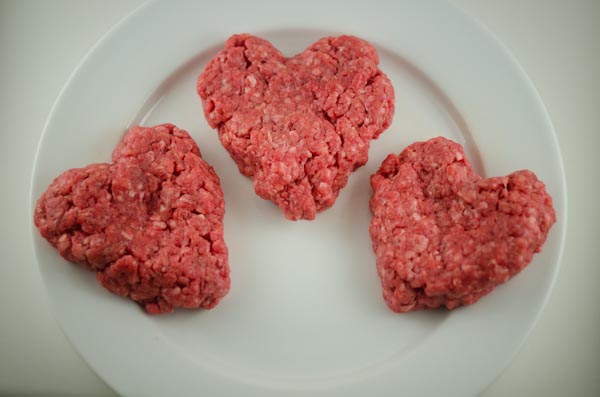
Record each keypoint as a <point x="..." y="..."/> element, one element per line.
<point x="305" y="301"/>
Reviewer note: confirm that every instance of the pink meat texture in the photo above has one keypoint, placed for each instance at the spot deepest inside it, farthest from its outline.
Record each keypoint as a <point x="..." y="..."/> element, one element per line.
<point x="150" y="224"/>
<point x="443" y="235"/>
<point x="297" y="126"/>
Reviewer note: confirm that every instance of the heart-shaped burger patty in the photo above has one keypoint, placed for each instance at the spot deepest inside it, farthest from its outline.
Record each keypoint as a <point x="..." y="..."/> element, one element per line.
<point x="443" y="235"/>
<point x="297" y="126"/>
<point x="150" y="224"/>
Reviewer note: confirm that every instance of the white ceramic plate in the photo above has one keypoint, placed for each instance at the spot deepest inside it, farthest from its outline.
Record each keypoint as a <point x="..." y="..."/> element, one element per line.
<point x="305" y="314"/>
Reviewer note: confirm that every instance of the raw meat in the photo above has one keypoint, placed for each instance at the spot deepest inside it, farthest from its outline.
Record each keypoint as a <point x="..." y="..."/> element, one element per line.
<point x="150" y="224"/>
<point x="297" y="126"/>
<point x="443" y="235"/>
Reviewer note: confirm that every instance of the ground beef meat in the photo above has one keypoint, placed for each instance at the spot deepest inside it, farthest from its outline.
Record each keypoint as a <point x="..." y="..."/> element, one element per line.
<point x="297" y="126"/>
<point x="443" y="235"/>
<point x="150" y="224"/>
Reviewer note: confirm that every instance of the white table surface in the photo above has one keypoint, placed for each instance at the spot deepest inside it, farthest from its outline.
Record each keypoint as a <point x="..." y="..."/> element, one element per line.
<point x="556" y="42"/>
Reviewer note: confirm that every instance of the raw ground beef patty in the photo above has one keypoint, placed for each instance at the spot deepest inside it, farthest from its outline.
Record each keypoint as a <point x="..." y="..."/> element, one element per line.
<point x="297" y="126"/>
<point x="150" y="224"/>
<point x="443" y="235"/>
